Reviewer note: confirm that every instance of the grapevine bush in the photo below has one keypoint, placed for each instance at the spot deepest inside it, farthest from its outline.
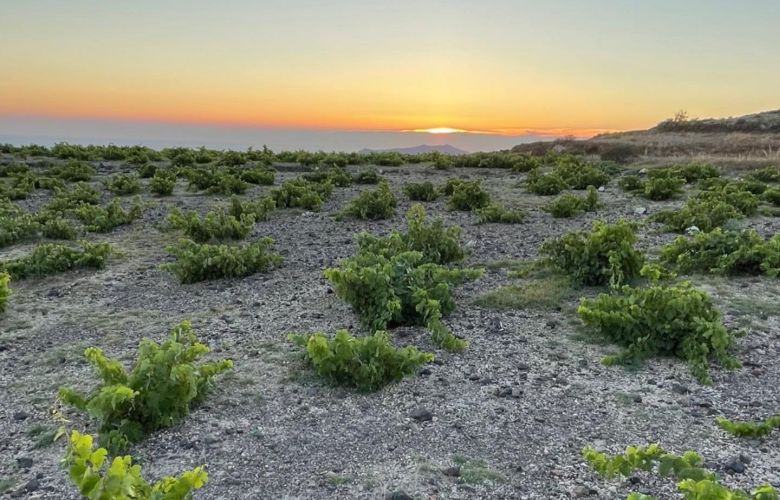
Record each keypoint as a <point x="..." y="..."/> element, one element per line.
<point x="372" y="205"/>
<point x="162" y="183"/>
<point x="401" y="289"/>
<point x="674" y="320"/>
<point x="545" y="184"/>
<point x="751" y="429"/>
<point x="421" y="191"/>
<point x="724" y="252"/>
<point x="260" y="175"/>
<point x="438" y="244"/>
<point x="73" y="171"/>
<point x="569" y="205"/>
<point x="165" y="382"/>
<point x="500" y="214"/>
<point x="604" y="256"/>
<point x="662" y="188"/>
<point x="696" y="483"/>
<point x="96" y="480"/>
<point x="50" y="258"/>
<point x="123" y="184"/>
<point x="369" y="176"/>
<point x="5" y="290"/>
<point x="302" y="193"/>
<point x="260" y="208"/>
<point x="366" y="363"/>
<point x="469" y="196"/>
<point x="201" y="262"/>
<point x="213" y="226"/>
<point x="101" y="220"/>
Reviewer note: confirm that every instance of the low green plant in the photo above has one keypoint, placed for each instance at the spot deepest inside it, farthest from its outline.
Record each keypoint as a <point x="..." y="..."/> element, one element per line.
<point x="302" y="193"/>
<point x="661" y="319"/>
<point x="146" y="170"/>
<point x="719" y="251"/>
<point x="73" y="171"/>
<point x="545" y="184"/>
<point x="5" y="290"/>
<point x="766" y="174"/>
<point x="261" y="175"/>
<point x="166" y="381"/>
<point x="400" y="290"/>
<point x="366" y="363"/>
<point x="772" y="195"/>
<point x="450" y="186"/>
<point x="662" y="188"/>
<point x="51" y="258"/>
<point x="103" y="219"/>
<point x="569" y="205"/>
<point x="500" y="214"/>
<point x="162" y="183"/>
<point x="96" y="480"/>
<point x="421" y="191"/>
<point x="372" y="205"/>
<point x="201" y="262"/>
<point x="631" y="183"/>
<point x="260" y="208"/>
<point x="577" y="174"/>
<point x="215" y="225"/>
<point x="339" y="177"/>
<point x="603" y="256"/>
<point x="709" y="209"/>
<point x="123" y="184"/>
<point x="368" y="176"/>
<point x="691" y="172"/>
<point x="78" y="195"/>
<point x="214" y="181"/>
<point x="538" y="293"/>
<point x="469" y="196"/>
<point x="696" y="483"/>
<point x="753" y="429"/>
<point x="438" y="244"/>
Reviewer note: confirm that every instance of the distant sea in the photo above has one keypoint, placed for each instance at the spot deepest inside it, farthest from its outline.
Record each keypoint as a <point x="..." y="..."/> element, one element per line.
<point x="47" y="131"/>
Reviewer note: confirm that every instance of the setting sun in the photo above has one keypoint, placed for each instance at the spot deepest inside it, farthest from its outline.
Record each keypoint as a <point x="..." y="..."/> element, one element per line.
<point x="440" y="130"/>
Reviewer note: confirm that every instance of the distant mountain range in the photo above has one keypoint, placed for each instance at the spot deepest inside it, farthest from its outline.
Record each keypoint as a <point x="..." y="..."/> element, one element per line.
<point x="421" y="149"/>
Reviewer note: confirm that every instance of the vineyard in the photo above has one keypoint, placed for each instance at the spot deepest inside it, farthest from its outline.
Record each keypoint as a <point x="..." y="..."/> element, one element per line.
<point x="196" y="323"/>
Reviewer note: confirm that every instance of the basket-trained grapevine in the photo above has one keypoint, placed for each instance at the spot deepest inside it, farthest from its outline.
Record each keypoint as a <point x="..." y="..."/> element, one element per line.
<point x="260" y="175"/>
<point x="260" y="208"/>
<point x="577" y="174"/>
<point x="438" y="244"/>
<point x="339" y="177"/>
<point x="51" y="258"/>
<point x="662" y="188"/>
<point x="5" y="290"/>
<point x="78" y="195"/>
<point x="719" y="251"/>
<point x="753" y="429"/>
<point x="368" y="176"/>
<point x="603" y="256"/>
<point x="696" y="483"/>
<point x="674" y="320"/>
<point x="166" y="381"/>
<point x="400" y="290"/>
<point x="302" y="193"/>
<point x="201" y="262"/>
<point x="103" y="219"/>
<point x="421" y="191"/>
<point x="631" y="183"/>
<point x="766" y="174"/>
<point x="366" y="363"/>
<point x="500" y="214"/>
<point x="545" y="184"/>
<point x="469" y="196"/>
<point x="145" y="170"/>
<point x="215" y="225"/>
<point x="214" y="181"/>
<point x="372" y="205"/>
<point x="73" y="171"/>
<point x="162" y="183"/>
<point x="691" y="172"/>
<point x="569" y="205"/>
<point x="123" y="184"/>
<point x="97" y="480"/>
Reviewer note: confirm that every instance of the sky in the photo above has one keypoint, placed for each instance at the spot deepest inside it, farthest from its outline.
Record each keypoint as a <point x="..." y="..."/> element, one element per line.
<point x="503" y="70"/>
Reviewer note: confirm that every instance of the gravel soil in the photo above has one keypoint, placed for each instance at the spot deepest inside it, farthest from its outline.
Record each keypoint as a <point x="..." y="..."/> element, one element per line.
<point x="506" y="418"/>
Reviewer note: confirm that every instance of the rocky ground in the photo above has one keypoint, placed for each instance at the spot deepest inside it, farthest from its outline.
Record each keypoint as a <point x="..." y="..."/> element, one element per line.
<point x="506" y="418"/>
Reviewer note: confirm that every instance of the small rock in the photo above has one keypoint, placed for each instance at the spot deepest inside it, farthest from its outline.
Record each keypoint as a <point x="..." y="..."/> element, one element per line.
<point x="680" y="389"/>
<point x="735" y="465"/>
<point x="643" y="171"/>
<point x="452" y="471"/>
<point x="692" y="230"/>
<point x="504" y="392"/>
<point x="580" y="491"/>
<point x="422" y="415"/>
<point x="20" y="415"/>
<point x="601" y="189"/>
<point x="640" y="210"/>
<point x="24" y="462"/>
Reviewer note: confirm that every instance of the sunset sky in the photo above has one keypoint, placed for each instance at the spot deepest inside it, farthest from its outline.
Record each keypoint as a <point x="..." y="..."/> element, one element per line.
<point x="514" y="67"/>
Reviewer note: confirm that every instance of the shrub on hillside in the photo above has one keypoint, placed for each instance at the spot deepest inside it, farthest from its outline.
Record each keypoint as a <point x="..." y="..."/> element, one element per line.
<point x="604" y="256"/>
<point x="676" y="320"/>
<point x="302" y="193"/>
<point x="260" y="208"/>
<point x="469" y="196"/>
<point x="215" y="225"/>
<point x="366" y="363"/>
<point x="165" y="382"/>
<point x="568" y="205"/>
<point x="500" y="214"/>
<point x="73" y="171"/>
<point x="545" y="184"/>
<point x="201" y="262"/>
<point x="662" y="188"/>
<point x="51" y="258"/>
<point x="369" y="176"/>
<point x="422" y="191"/>
<point x="96" y="480"/>
<point x="631" y="183"/>
<point x="162" y="183"/>
<point x="123" y="184"/>
<point x="101" y="220"/>
<point x="372" y="205"/>
<point x="5" y="290"/>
